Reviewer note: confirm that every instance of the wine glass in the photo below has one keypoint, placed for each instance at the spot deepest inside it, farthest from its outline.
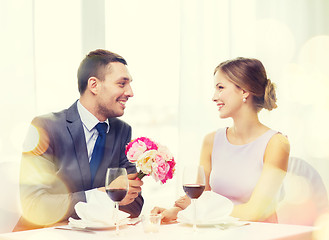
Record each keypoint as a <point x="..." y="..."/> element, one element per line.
<point x="116" y="186"/>
<point x="193" y="185"/>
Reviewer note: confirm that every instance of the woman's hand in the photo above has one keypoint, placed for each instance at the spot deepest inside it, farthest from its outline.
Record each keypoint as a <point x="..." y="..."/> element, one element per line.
<point x="167" y="215"/>
<point x="183" y="202"/>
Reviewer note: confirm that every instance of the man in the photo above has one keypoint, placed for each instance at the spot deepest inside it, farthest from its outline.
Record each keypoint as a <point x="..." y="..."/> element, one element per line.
<point x="57" y="173"/>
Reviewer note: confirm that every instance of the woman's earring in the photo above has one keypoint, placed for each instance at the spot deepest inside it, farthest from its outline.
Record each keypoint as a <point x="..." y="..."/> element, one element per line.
<point x="244" y="100"/>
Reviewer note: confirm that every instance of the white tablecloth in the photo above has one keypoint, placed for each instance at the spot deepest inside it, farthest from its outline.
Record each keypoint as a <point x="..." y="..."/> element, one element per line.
<point x="254" y="231"/>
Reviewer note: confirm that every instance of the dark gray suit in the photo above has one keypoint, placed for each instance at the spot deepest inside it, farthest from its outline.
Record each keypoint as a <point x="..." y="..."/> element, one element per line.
<point x="56" y="174"/>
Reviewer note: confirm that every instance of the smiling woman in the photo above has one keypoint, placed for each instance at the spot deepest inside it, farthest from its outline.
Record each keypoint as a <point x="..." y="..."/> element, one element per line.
<point x="247" y="161"/>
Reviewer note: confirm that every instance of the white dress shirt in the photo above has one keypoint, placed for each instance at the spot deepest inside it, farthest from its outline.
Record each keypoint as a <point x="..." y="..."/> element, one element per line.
<point x="89" y="121"/>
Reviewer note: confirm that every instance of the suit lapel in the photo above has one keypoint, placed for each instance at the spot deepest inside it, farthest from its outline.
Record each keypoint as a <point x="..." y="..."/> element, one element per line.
<point x="76" y="130"/>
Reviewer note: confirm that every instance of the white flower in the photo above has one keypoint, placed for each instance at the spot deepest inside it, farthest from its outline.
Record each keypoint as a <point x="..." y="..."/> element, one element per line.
<point x="145" y="161"/>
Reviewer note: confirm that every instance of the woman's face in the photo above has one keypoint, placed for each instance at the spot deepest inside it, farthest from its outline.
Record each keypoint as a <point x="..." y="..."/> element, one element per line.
<point x="227" y="96"/>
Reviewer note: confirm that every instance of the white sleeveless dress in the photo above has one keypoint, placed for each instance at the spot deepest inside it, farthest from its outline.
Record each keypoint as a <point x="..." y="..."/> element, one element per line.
<point x="237" y="168"/>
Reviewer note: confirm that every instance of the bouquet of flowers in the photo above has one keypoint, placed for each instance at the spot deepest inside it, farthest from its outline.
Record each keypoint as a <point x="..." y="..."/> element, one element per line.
<point x="151" y="158"/>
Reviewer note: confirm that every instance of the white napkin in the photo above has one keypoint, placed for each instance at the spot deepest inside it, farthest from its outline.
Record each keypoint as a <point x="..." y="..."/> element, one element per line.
<point x="97" y="213"/>
<point x="211" y="208"/>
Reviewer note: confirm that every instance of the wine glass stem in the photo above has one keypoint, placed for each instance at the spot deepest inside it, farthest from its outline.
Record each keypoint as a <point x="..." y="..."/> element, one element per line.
<point x="194" y="214"/>
<point x="116" y="218"/>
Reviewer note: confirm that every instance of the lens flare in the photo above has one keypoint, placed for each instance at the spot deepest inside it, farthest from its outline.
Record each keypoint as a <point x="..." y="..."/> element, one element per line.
<point x="294" y="77"/>
<point x="322" y="224"/>
<point x="299" y="80"/>
<point x="272" y="40"/>
<point x="313" y="60"/>
<point x="298" y="195"/>
<point x="45" y="198"/>
<point x="314" y="54"/>
<point x="47" y="208"/>
<point x="298" y="189"/>
<point x="37" y="141"/>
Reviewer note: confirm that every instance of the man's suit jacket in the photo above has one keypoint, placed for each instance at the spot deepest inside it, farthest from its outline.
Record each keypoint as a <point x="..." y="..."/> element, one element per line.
<point x="56" y="174"/>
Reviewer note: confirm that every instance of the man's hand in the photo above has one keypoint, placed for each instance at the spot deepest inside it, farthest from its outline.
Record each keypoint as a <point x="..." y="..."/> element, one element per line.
<point x="134" y="189"/>
<point x="102" y="189"/>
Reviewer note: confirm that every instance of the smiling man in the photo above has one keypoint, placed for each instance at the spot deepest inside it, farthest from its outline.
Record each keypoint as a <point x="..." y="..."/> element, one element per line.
<point x="61" y="169"/>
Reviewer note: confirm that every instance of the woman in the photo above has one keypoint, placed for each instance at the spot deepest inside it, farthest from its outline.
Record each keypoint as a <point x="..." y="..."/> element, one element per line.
<point x="247" y="161"/>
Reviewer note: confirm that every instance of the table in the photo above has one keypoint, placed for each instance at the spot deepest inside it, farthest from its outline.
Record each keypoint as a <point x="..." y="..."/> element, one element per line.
<point x="253" y="231"/>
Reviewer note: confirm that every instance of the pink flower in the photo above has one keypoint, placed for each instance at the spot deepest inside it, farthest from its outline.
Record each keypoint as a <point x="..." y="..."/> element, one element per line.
<point x="171" y="171"/>
<point x="136" y="149"/>
<point x="160" y="168"/>
<point x="164" y="152"/>
<point x="150" y="145"/>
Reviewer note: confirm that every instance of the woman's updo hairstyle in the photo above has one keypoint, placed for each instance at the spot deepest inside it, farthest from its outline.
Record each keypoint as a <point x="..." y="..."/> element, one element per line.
<point x="249" y="74"/>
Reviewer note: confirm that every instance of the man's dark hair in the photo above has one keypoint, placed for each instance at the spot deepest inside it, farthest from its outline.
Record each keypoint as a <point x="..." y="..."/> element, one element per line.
<point x="93" y="65"/>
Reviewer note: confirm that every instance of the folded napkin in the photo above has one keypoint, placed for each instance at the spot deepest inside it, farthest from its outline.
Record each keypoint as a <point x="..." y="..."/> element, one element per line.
<point x="211" y="208"/>
<point x="97" y="213"/>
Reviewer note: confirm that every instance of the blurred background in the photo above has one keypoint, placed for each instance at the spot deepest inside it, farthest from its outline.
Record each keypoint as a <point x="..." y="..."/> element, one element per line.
<point x="172" y="48"/>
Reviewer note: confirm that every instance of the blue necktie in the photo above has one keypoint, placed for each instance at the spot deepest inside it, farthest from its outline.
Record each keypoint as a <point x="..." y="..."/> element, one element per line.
<point x="98" y="151"/>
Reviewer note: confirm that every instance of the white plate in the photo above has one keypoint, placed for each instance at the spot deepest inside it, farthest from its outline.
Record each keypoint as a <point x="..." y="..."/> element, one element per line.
<point x="211" y="206"/>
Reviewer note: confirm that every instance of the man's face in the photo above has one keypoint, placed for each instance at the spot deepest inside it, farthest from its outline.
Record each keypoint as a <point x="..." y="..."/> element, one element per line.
<point x="114" y="91"/>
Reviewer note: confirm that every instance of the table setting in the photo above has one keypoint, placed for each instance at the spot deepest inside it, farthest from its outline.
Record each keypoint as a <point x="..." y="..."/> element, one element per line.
<point x="207" y="217"/>
<point x="131" y="230"/>
<point x="213" y="210"/>
<point x="212" y="221"/>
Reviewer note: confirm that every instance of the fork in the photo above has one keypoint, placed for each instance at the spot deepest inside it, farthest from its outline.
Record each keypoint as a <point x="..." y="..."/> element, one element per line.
<point x="76" y="229"/>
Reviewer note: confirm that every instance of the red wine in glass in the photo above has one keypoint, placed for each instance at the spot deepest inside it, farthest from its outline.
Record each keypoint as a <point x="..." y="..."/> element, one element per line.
<point x="117" y="195"/>
<point x="194" y="191"/>
<point x="193" y="185"/>
<point x="116" y="187"/>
